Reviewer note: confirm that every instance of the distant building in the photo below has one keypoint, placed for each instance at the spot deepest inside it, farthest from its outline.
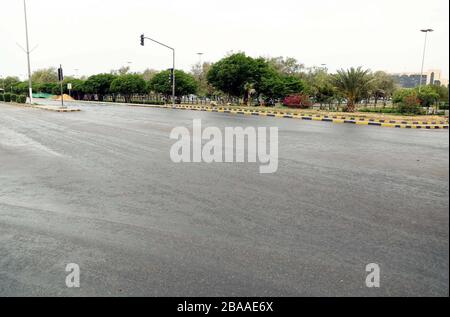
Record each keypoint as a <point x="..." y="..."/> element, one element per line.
<point x="412" y="80"/>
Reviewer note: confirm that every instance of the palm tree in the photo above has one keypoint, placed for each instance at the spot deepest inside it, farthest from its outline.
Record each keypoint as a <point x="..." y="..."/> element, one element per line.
<point x="353" y="84"/>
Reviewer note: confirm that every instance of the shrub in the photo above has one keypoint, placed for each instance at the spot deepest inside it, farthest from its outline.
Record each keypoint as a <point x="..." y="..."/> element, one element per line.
<point x="1" y="97"/>
<point x="156" y="103"/>
<point x="297" y="101"/>
<point x="410" y="105"/>
<point x="21" y="99"/>
<point x="7" y="97"/>
<point x="13" y="97"/>
<point x="443" y="106"/>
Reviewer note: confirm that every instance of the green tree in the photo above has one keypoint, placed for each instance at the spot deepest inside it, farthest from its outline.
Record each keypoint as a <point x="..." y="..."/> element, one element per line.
<point x="288" y="66"/>
<point x="233" y="73"/>
<point x="78" y="90"/>
<point x="200" y="73"/>
<point x="400" y="94"/>
<point x="319" y="86"/>
<point x="128" y="85"/>
<point x="148" y="74"/>
<point x="383" y="87"/>
<point x="272" y="86"/>
<point x="277" y="86"/>
<point x="45" y="76"/>
<point x="407" y="101"/>
<point x="99" y="84"/>
<point x="9" y="82"/>
<point x="21" y="88"/>
<point x="185" y="84"/>
<point x="353" y="84"/>
<point x="121" y="71"/>
<point x="442" y="91"/>
<point x="427" y="95"/>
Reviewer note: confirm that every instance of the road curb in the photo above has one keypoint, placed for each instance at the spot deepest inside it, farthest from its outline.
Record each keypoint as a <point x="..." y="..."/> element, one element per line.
<point x="42" y="107"/>
<point x="58" y="110"/>
<point x="331" y="119"/>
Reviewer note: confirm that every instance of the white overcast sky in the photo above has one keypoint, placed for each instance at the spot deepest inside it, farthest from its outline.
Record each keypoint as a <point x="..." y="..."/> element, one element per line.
<point x="99" y="35"/>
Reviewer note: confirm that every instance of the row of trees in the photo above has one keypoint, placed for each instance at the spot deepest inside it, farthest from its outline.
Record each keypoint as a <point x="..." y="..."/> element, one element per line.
<point x="238" y="76"/>
<point x="414" y="100"/>
<point x="276" y="78"/>
<point x="115" y="83"/>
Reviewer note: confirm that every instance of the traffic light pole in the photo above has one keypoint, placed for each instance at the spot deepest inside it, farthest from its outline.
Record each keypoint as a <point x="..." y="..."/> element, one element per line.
<point x="173" y="52"/>
<point x="61" y="79"/>
<point x="173" y="81"/>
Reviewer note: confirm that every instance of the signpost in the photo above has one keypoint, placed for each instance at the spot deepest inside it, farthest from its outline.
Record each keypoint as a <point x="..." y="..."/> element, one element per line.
<point x="69" y="87"/>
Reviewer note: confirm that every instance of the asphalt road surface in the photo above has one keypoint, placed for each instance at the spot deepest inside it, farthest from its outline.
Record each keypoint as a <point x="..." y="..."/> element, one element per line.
<point x="98" y="188"/>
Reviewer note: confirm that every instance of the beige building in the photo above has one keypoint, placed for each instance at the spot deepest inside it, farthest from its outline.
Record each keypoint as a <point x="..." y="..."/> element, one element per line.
<point x="434" y="76"/>
<point x="411" y="80"/>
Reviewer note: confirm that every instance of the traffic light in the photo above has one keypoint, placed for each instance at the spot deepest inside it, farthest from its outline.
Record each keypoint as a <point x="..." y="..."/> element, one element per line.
<point x="60" y="74"/>
<point x="171" y="75"/>
<point x="142" y="39"/>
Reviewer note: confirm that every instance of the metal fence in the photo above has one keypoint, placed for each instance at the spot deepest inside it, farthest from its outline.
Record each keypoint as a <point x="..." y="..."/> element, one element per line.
<point x="161" y="99"/>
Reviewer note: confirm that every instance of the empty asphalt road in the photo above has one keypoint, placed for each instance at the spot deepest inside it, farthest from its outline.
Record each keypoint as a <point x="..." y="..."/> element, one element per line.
<point x="97" y="188"/>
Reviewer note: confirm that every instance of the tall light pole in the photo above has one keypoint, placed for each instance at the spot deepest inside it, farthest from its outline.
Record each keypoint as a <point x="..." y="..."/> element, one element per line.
<point x="143" y="37"/>
<point x="30" y="86"/>
<point x="426" y="31"/>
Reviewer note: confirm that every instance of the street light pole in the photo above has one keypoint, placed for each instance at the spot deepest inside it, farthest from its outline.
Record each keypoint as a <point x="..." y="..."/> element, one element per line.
<point x="426" y="31"/>
<point x="173" y="54"/>
<point x="200" y="55"/>
<point x="30" y="86"/>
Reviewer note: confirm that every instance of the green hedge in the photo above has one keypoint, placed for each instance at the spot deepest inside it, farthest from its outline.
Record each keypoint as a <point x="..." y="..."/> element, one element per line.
<point x="443" y="107"/>
<point x="156" y="103"/>
<point x="21" y="99"/>
<point x="8" y="97"/>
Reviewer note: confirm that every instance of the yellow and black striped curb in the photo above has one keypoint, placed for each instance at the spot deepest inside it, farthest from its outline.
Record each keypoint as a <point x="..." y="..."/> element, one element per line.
<point x="310" y="117"/>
